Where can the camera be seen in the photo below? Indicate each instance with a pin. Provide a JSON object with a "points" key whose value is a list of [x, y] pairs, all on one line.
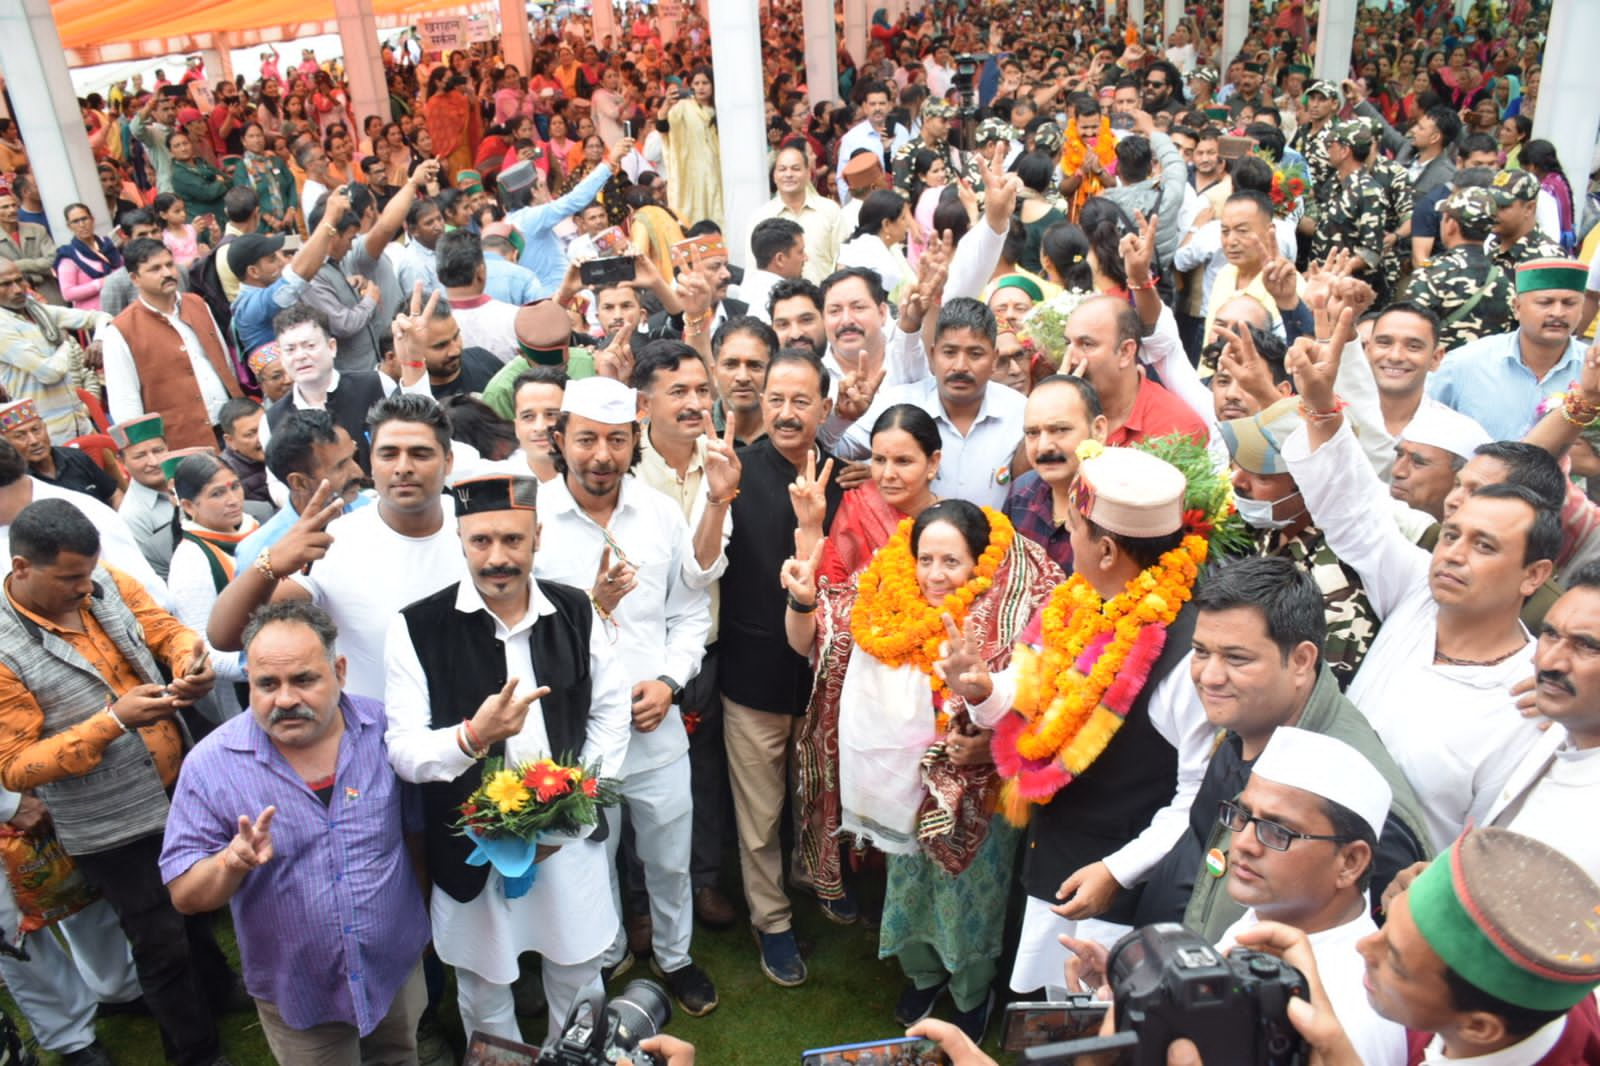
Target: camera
{"points": [[1169, 983], [599, 1033], [964, 82]]}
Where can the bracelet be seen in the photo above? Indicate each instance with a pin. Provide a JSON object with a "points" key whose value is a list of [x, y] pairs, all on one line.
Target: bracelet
{"points": [[472, 736], [263, 565], [722, 501], [698, 320], [797, 607], [1577, 411], [605, 615], [1322, 416], [112, 711], [1141, 288]]}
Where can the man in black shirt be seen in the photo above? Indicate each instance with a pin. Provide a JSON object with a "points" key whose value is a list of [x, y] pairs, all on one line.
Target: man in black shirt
{"points": [[453, 369], [765, 685], [67, 468]]}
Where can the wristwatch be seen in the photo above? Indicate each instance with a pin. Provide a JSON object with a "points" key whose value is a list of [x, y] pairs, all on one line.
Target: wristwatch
{"points": [[672, 686]]}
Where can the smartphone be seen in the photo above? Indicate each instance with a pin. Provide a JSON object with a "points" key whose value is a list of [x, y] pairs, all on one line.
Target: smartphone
{"points": [[1032, 1024], [1122, 121], [608, 270], [906, 1049], [612, 241], [627, 128], [1234, 147]]}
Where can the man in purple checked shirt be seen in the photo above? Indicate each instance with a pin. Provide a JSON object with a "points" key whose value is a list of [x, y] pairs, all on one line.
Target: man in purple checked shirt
{"points": [[292, 815]]}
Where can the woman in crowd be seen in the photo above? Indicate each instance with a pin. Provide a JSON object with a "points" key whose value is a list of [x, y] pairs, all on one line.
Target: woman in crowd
{"points": [[1514, 132], [693, 151], [1038, 174], [1539, 159], [210, 523], [907, 772], [200, 185], [271, 180], [881, 231], [84, 262]]}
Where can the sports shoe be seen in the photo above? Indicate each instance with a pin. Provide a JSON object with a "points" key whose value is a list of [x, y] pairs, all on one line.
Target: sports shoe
{"points": [[780, 958], [842, 911], [691, 987], [975, 1022], [917, 1003]]}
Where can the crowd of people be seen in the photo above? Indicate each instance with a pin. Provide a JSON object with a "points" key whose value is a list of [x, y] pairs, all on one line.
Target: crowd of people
{"points": [[1125, 483]]}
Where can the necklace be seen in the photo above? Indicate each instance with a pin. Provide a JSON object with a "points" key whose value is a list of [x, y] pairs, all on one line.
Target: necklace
{"points": [[1441, 659]]}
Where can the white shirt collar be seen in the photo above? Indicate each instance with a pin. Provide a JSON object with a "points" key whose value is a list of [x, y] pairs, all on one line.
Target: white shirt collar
{"points": [[555, 498], [1527, 1052], [305, 405], [470, 601]]}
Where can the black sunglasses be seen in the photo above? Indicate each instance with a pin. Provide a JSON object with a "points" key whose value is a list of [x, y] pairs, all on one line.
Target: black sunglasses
{"points": [[1276, 837]]}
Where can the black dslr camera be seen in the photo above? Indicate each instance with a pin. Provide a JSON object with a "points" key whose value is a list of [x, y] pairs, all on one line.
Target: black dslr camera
{"points": [[599, 1033], [965, 82], [1168, 983]]}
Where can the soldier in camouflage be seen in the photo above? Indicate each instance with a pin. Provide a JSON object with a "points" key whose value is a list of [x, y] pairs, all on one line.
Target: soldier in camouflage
{"points": [[935, 137], [1310, 138], [1048, 139], [1394, 182], [1469, 292], [991, 132], [1351, 216], [1517, 237]]}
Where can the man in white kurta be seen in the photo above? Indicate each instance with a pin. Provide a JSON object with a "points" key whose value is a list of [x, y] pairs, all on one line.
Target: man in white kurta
{"points": [[1452, 727], [563, 916]]}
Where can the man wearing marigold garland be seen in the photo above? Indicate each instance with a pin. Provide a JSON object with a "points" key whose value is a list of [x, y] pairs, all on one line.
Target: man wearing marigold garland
{"points": [[506, 665], [1098, 730]]}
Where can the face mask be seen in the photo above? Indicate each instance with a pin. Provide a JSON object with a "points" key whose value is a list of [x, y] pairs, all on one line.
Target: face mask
{"points": [[1257, 514]]}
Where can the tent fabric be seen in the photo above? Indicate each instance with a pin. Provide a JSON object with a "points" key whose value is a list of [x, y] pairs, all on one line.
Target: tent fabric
{"points": [[87, 23]]}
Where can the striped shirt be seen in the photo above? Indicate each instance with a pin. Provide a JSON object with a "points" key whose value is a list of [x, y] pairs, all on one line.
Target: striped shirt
{"points": [[330, 929]]}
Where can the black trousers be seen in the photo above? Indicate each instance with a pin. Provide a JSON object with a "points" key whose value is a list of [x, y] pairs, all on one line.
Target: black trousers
{"points": [[183, 972]]}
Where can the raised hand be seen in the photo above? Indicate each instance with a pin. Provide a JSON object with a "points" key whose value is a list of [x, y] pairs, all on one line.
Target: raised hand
{"points": [[426, 173], [723, 469], [502, 713], [856, 391], [615, 360], [961, 667], [1000, 190], [251, 846], [1278, 275], [410, 334], [612, 581], [619, 151], [799, 574], [1138, 250], [809, 494], [308, 539], [1240, 359], [1315, 364]]}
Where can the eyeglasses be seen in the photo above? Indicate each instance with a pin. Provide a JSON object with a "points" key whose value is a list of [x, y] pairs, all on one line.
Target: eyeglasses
{"points": [[80, 219], [1235, 819]]}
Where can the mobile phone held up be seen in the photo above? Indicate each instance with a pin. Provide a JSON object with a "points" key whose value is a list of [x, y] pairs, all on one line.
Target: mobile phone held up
{"points": [[899, 1051], [1033, 1024]]}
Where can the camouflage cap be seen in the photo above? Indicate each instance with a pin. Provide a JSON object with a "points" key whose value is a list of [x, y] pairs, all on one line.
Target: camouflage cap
{"points": [[1206, 74], [1471, 207], [1350, 131], [1513, 186], [995, 129], [938, 109], [1325, 88], [1047, 138]]}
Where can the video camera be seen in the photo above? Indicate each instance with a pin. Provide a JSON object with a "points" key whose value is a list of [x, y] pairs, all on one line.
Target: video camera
{"points": [[599, 1033], [1168, 983]]}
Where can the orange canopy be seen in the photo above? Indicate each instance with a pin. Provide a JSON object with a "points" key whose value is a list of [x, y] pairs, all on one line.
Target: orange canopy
{"points": [[90, 23]]}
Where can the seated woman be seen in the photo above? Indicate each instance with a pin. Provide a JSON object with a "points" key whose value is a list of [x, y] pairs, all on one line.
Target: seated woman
{"points": [[210, 523], [879, 239], [908, 773]]}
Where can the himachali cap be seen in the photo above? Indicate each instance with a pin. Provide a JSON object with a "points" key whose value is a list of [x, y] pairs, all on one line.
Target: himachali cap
{"points": [[1130, 493], [1540, 274], [1256, 442], [1513, 917], [1219, 114], [1255, 68], [137, 430], [1513, 186], [1206, 74], [1472, 206], [995, 129], [1443, 427], [542, 331], [264, 357], [1351, 131], [686, 253], [938, 109], [469, 181], [861, 171], [169, 465], [1327, 767], [1298, 68], [604, 400], [17, 414], [1324, 88], [1047, 138], [480, 495]]}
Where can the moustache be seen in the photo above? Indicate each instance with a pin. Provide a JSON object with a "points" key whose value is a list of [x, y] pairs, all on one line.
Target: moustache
{"points": [[298, 713], [693, 414], [788, 424], [1050, 457], [492, 572], [960, 377], [1558, 679]]}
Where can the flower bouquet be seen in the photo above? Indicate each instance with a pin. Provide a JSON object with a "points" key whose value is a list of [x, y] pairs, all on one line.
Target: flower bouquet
{"points": [[515, 808], [1290, 182], [1044, 329]]}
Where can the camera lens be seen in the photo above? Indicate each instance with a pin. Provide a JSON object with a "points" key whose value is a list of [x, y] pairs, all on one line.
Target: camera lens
{"points": [[642, 1011]]}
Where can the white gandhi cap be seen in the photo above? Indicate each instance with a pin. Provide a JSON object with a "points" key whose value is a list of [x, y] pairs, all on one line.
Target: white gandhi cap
{"points": [[1326, 767], [603, 400]]}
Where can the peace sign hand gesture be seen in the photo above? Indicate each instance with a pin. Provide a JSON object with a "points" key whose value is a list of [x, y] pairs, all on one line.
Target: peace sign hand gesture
{"points": [[308, 539], [410, 331], [1240, 360], [1138, 250], [1315, 364], [856, 392], [962, 668], [809, 494], [252, 845], [799, 574], [723, 469]]}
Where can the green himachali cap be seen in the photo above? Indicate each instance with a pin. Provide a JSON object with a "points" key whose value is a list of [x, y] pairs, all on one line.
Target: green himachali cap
{"points": [[1539, 274], [1513, 917], [137, 430], [169, 465]]}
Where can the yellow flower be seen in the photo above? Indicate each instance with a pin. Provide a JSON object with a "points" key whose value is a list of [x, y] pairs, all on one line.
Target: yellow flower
{"points": [[506, 792], [1090, 449]]}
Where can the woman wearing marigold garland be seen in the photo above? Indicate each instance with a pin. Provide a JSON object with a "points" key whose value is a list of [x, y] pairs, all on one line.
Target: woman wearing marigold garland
{"points": [[911, 775], [1098, 732]]}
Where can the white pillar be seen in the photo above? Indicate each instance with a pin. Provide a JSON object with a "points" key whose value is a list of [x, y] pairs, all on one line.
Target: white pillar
{"points": [[1336, 34], [1235, 28], [515, 40], [855, 30], [47, 112], [822, 52], [1462, 7], [1173, 10], [363, 62], [1136, 12], [603, 22], [741, 119], [1568, 110]]}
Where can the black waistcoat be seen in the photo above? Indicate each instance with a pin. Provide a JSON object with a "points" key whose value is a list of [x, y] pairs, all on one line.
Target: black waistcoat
{"points": [[1112, 801], [464, 662], [348, 406]]}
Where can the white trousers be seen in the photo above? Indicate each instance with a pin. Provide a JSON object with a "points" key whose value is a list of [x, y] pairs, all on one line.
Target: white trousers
{"points": [[57, 991], [488, 1008], [661, 808], [1041, 957]]}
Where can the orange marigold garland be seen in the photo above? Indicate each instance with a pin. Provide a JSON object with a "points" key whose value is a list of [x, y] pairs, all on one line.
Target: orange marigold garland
{"points": [[1073, 696], [1075, 151], [892, 622]]}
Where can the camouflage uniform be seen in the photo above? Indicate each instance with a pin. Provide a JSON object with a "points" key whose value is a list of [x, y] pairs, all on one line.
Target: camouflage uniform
{"points": [[1352, 622], [989, 131], [1470, 293], [1352, 216], [1313, 144], [1395, 184], [1519, 186], [900, 160]]}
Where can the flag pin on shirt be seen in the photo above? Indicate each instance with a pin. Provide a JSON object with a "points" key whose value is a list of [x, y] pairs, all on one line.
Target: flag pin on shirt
{"points": [[1216, 862]]}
